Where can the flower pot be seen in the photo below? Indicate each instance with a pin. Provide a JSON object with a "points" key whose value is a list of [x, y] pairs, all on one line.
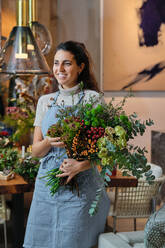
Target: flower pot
{"points": [[114, 172], [4, 176]]}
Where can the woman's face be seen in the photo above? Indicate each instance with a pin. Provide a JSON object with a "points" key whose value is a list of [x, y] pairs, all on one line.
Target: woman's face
{"points": [[65, 69]]}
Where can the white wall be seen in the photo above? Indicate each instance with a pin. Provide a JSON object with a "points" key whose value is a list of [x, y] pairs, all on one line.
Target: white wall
{"points": [[80, 20]]}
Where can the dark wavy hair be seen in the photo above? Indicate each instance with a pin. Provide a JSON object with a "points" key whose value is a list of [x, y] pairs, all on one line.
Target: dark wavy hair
{"points": [[81, 55]]}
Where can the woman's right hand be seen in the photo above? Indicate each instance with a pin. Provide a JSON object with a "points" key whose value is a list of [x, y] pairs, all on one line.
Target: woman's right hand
{"points": [[41, 146], [55, 142]]}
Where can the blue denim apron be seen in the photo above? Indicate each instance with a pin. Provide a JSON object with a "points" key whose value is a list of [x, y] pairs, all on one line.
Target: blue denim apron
{"points": [[62, 220]]}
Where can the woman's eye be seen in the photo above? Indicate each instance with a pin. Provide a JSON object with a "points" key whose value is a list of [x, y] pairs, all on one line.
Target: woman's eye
{"points": [[55, 63], [67, 63]]}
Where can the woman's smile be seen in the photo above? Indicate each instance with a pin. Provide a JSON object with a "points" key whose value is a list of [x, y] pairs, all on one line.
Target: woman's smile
{"points": [[61, 75]]}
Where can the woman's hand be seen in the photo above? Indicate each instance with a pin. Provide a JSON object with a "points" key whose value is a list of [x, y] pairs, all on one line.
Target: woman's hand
{"points": [[55, 142], [41, 146], [71, 167]]}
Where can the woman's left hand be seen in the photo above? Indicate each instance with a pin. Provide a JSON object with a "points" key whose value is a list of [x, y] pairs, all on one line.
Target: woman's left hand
{"points": [[71, 167]]}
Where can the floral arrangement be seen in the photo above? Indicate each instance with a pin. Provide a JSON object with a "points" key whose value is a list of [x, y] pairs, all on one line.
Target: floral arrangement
{"points": [[8, 156], [20, 114], [17, 124], [5, 137], [8, 159], [20, 119], [12, 161], [27, 167], [100, 133], [30, 89]]}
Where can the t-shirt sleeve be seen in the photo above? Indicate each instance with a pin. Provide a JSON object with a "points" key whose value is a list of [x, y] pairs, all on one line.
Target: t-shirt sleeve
{"points": [[39, 112]]}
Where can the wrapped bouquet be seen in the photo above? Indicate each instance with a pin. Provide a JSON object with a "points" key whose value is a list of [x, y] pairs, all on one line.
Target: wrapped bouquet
{"points": [[100, 133]]}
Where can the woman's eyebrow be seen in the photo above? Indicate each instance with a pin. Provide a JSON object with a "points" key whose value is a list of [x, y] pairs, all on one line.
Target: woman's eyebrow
{"points": [[66, 60]]}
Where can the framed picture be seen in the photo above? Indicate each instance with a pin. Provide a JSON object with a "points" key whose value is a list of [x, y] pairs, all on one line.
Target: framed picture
{"points": [[133, 45]]}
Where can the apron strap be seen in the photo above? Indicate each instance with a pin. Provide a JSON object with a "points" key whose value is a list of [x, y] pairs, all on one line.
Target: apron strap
{"points": [[81, 94], [55, 97]]}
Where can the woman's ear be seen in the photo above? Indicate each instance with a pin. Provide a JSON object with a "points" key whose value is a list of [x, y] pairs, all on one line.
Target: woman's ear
{"points": [[81, 67]]}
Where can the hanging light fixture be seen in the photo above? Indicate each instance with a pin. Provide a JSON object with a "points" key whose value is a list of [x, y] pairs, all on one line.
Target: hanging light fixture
{"points": [[40, 32], [21, 54]]}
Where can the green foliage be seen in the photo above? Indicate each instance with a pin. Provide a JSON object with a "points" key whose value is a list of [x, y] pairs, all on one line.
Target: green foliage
{"points": [[8, 158], [95, 117], [95, 204], [53, 181]]}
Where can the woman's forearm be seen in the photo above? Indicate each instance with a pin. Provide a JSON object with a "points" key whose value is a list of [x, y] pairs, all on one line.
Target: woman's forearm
{"points": [[41, 148]]}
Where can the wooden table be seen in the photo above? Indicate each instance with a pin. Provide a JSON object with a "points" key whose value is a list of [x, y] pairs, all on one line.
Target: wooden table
{"points": [[18, 186]]}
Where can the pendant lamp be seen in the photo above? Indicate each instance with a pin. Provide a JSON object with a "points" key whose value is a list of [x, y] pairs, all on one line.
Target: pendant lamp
{"points": [[40, 32], [21, 54]]}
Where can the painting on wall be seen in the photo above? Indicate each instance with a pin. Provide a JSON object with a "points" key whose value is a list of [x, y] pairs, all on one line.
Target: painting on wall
{"points": [[134, 45]]}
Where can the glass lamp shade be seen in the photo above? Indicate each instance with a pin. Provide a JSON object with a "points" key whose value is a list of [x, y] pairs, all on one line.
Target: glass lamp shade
{"points": [[21, 54], [42, 36]]}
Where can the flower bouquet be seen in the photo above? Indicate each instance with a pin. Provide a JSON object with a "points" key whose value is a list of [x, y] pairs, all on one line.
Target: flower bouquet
{"points": [[100, 133]]}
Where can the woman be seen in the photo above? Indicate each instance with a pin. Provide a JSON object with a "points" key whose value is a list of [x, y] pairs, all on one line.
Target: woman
{"points": [[62, 220]]}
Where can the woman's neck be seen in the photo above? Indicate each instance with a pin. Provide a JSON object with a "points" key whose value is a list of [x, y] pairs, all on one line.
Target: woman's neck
{"points": [[70, 91]]}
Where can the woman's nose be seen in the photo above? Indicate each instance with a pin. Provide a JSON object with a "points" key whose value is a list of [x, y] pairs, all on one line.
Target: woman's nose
{"points": [[61, 67]]}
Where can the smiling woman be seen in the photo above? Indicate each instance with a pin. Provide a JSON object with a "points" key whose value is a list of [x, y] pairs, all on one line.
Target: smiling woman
{"points": [[62, 220], [65, 69]]}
